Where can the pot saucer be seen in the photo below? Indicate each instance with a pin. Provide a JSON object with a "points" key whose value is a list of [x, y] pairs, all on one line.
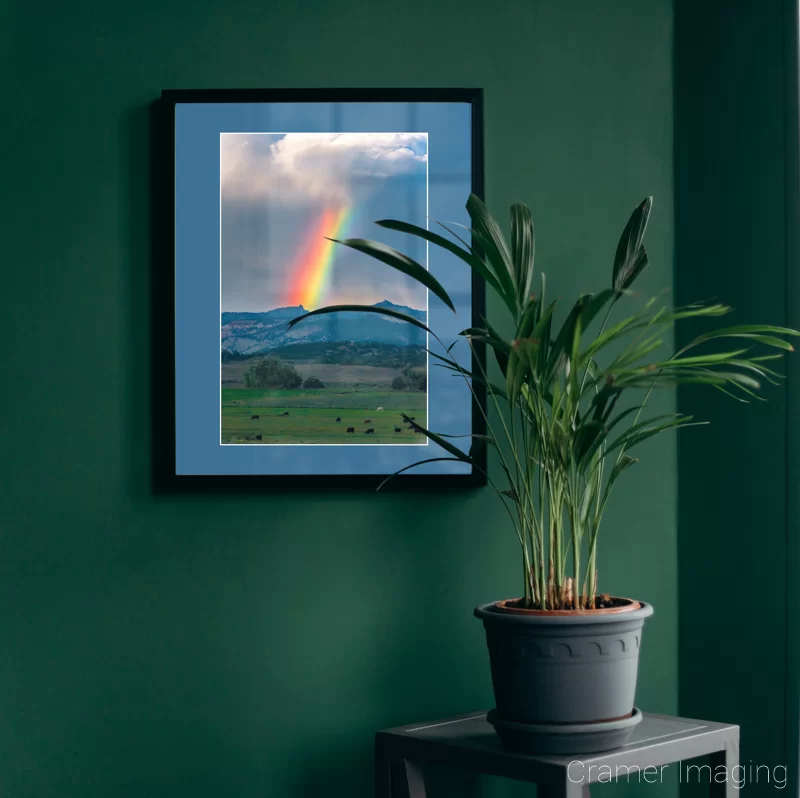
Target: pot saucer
{"points": [[563, 738]]}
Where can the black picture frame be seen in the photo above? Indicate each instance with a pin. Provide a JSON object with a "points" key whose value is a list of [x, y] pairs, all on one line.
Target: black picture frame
{"points": [[165, 478]]}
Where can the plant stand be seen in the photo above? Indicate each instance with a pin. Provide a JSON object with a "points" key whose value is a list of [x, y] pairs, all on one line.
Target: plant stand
{"points": [[470, 743]]}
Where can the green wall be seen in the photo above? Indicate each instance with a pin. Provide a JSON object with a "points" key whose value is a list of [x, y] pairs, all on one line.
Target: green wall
{"points": [[733, 223], [250, 645], [791, 27]]}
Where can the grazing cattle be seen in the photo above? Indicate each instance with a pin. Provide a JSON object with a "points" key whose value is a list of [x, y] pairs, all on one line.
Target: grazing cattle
{"points": [[380, 408], [397, 429], [367, 420], [339, 420], [284, 414], [417, 431], [258, 437], [370, 431], [351, 429], [254, 418]]}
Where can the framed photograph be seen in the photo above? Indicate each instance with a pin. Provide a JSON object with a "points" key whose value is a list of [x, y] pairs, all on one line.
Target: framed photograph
{"points": [[266, 182]]}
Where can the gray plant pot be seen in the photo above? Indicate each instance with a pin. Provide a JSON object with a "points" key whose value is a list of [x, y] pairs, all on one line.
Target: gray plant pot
{"points": [[559, 668]]}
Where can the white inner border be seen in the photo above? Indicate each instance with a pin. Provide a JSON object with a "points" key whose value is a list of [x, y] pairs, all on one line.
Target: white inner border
{"points": [[427, 310]]}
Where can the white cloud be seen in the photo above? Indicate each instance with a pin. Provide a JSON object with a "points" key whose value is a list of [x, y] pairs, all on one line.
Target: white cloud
{"points": [[303, 167]]}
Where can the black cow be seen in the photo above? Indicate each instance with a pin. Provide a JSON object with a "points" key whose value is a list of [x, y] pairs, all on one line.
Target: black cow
{"points": [[351, 429], [370, 431], [397, 429], [284, 414], [258, 437], [367, 420], [254, 418], [339, 420]]}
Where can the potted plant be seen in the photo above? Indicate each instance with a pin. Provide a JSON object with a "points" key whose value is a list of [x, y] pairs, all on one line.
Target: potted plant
{"points": [[567, 405]]}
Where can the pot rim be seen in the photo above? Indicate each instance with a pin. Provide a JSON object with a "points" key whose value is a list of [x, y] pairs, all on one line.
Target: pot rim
{"points": [[633, 604], [495, 614]]}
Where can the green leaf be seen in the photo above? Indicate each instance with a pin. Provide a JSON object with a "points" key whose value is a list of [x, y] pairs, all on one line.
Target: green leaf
{"points": [[622, 463], [543, 333], [698, 360], [614, 333], [528, 322], [446, 445], [739, 379], [523, 248], [577, 331], [472, 260], [499, 352], [580, 317], [501, 355], [699, 311], [483, 248], [521, 361], [558, 349], [594, 305], [630, 259], [638, 263], [621, 415], [761, 333], [451, 365], [493, 389], [641, 432], [767, 340], [768, 374], [476, 447], [587, 434], [391, 257], [636, 352], [475, 436], [486, 232], [414, 465], [360, 309], [601, 402], [597, 442]]}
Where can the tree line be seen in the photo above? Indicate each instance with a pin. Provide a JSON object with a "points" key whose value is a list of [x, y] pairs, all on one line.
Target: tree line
{"points": [[271, 372], [410, 380]]}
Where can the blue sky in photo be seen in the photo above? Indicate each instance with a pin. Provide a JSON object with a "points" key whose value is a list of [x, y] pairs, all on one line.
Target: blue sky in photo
{"points": [[277, 191]]}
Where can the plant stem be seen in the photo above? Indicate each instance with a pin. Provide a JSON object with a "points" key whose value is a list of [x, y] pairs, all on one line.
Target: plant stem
{"points": [[576, 558]]}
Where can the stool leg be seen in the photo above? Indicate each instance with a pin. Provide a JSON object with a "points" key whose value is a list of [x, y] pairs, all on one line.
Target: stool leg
{"points": [[729, 759], [407, 781], [383, 770], [566, 789]]}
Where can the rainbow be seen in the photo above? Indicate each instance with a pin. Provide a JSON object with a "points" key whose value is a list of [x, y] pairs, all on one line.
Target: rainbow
{"points": [[311, 270]]}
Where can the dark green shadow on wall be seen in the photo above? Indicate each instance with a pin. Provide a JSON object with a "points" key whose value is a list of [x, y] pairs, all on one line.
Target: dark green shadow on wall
{"points": [[731, 243]]}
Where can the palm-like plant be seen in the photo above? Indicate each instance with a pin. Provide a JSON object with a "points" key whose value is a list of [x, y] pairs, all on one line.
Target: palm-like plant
{"points": [[561, 433]]}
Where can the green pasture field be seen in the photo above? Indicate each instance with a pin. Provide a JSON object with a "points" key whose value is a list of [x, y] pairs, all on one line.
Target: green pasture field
{"points": [[313, 413], [233, 372]]}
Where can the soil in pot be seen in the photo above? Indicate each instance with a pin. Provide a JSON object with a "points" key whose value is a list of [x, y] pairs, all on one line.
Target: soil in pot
{"points": [[602, 602]]}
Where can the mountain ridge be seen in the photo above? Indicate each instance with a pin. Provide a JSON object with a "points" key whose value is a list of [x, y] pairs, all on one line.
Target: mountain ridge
{"points": [[244, 332]]}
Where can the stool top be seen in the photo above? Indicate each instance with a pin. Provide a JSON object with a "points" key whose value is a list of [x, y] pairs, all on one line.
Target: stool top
{"points": [[469, 741]]}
